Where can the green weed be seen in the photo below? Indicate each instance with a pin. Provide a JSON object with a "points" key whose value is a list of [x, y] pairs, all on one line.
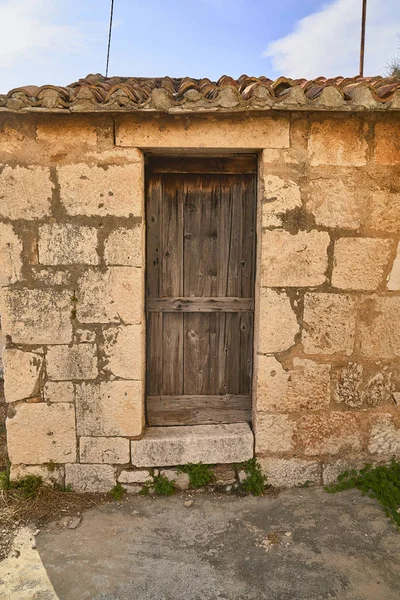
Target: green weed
{"points": [[117, 492], [199, 475], [381, 483], [163, 486], [255, 481], [28, 485]]}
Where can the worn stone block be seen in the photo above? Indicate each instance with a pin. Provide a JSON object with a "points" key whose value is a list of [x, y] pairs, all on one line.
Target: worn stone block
{"points": [[335, 202], [107, 450], [22, 374], [48, 277], [190, 132], [290, 472], [131, 477], [123, 351], [306, 386], [67, 132], [278, 323], [294, 260], [387, 141], [280, 195], [67, 244], [112, 408], [10, 255], [357, 386], [380, 327], [42, 433], [124, 247], [329, 323], [25, 192], [331, 470], [330, 433], [384, 211], [72, 362], [112, 296], [59, 391], [360, 263], [338, 142], [170, 446], [37, 316], [53, 476], [274, 433], [102, 190], [181, 480], [385, 436], [394, 277], [90, 478]]}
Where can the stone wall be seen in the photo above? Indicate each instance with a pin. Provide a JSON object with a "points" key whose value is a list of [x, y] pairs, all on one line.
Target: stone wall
{"points": [[327, 356], [328, 361]]}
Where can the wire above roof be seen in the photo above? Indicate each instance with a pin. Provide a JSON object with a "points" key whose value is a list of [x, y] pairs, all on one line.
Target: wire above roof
{"points": [[96, 93]]}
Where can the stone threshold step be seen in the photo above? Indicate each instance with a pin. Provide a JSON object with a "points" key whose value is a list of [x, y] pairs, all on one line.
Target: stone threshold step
{"points": [[208, 444]]}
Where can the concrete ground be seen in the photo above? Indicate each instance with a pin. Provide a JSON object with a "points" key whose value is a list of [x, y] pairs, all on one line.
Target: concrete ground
{"points": [[302, 545]]}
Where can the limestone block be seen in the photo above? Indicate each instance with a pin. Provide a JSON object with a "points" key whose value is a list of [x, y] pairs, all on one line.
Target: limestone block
{"points": [[170, 446], [10, 255], [394, 277], [290, 472], [50, 276], [334, 202], [329, 323], [331, 470], [338, 142], [25, 192], [90, 478], [123, 351], [294, 260], [360, 263], [181, 480], [37, 316], [385, 436], [107, 450], [274, 433], [67, 244], [96, 190], [330, 433], [59, 391], [304, 387], [380, 327], [111, 296], [278, 324], [51, 475], [124, 247], [84, 335], [66, 132], [22, 374], [387, 141], [42, 433], [112, 408], [130, 477], [280, 195], [191, 132], [72, 362], [384, 211]]}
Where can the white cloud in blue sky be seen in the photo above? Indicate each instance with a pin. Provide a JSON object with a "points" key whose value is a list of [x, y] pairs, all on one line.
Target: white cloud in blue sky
{"points": [[50, 41]]}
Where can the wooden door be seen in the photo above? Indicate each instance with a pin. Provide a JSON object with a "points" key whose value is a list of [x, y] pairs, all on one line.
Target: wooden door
{"points": [[200, 216]]}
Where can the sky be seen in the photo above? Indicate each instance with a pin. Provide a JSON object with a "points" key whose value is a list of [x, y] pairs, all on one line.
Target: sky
{"points": [[58, 41]]}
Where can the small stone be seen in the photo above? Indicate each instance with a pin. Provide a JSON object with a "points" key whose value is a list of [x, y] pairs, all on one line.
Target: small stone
{"points": [[242, 476], [224, 475], [188, 503], [74, 523]]}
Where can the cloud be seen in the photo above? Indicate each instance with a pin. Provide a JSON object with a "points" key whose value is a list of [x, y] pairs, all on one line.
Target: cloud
{"points": [[327, 42], [29, 30]]}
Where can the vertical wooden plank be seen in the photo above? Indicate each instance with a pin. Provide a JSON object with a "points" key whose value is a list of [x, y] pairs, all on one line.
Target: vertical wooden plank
{"points": [[246, 352], [171, 237], [235, 242], [232, 342], [172, 354], [153, 239], [247, 199], [153, 353]]}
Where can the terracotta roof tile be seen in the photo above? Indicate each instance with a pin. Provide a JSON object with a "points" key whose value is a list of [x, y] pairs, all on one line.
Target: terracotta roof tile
{"points": [[123, 94]]}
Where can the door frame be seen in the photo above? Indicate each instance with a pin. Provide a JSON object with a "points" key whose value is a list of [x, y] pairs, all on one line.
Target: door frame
{"points": [[165, 154]]}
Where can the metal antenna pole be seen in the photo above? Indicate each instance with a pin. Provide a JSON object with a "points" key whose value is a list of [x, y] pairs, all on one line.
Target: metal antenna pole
{"points": [[109, 36], [362, 46]]}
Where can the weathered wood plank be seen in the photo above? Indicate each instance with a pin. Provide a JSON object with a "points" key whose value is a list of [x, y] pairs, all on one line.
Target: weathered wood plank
{"points": [[206, 165], [172, 353], [201, 304], [197, 410], [171, 273], [154, 335], [153, 235]]}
